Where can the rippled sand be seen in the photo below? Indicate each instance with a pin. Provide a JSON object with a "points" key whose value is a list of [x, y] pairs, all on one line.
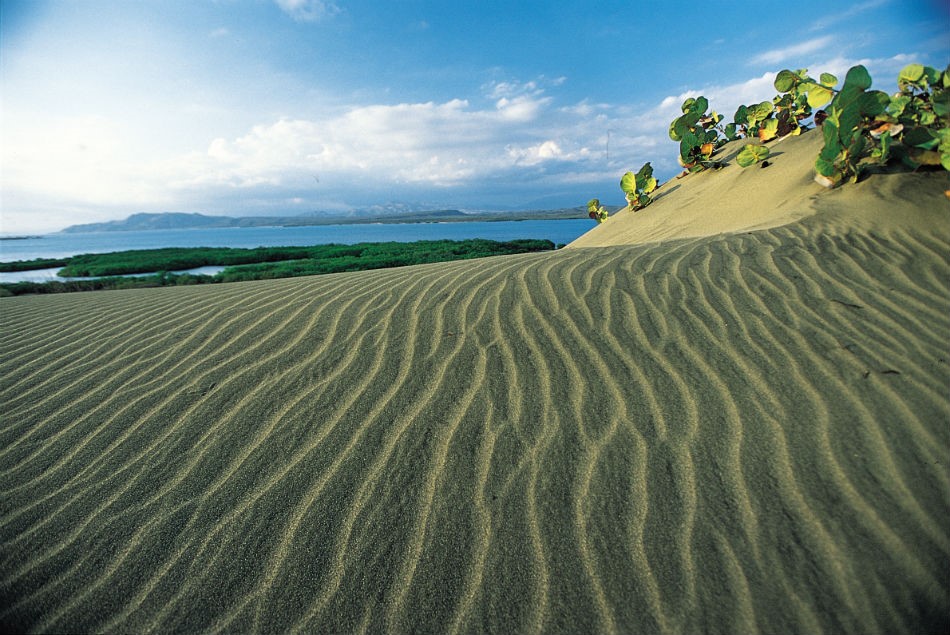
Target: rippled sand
{"points": [[738, 433]]}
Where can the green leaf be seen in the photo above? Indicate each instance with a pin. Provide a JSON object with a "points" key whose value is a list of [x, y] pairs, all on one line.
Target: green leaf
{"points": [[730, 131], [941, 102], [858, 77], [682, 125], [593, 204], [700, 105], [825, 167], [758, 112], [944, 148], [910, 74], [828, 80], [858, 143], [874, 102], [921, 137], [768, 130], [932, 75], [832, 142], [644, 200], [675, 130], [785, 80], [742, 115], [751, 153], [644, 181], [848, 120], [628, 183], [644, 172], [884, 152], [818, 96], [898, 104]]}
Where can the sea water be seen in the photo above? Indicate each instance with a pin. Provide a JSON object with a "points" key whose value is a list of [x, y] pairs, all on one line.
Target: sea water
{"points": [[64, 245]]}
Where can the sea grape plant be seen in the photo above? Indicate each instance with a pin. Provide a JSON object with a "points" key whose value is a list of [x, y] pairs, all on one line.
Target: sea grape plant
{"points": [[749, 120], [596, 211], [697, 133], [844, 129], [865, 127], [637, 187], [799, 95], [788, 110], [860, 127], [919, 115]]}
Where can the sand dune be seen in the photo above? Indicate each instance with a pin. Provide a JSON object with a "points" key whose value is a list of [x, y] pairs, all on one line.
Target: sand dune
{"points": [[737, 433]]}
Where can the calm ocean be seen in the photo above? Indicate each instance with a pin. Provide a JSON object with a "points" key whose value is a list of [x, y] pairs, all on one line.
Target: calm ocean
{"points": [[64, 245]]}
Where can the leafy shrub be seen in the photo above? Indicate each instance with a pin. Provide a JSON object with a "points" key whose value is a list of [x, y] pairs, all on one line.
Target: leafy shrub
{"points": [[749, 121], [787, 112], [596, 211], [637, 187], [698, 134], [866, 127], [919, 115]]}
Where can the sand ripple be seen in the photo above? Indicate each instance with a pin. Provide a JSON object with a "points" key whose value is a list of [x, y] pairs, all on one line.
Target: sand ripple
{"points": [[736, 434]]}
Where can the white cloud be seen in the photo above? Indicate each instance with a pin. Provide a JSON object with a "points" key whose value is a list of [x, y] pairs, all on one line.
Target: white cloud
{"points": [[439, 144], [535, 154], [308, 10], [794, 52]]}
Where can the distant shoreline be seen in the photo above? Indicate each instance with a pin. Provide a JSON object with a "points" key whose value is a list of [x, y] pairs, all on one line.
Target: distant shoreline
{"points": [[176, 220]]}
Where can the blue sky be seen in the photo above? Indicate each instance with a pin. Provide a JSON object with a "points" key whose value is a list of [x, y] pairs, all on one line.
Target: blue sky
{"points": [[267, 107]]}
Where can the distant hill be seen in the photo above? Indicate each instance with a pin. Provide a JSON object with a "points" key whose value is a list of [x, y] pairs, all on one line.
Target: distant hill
{"points": [[181, 220]]}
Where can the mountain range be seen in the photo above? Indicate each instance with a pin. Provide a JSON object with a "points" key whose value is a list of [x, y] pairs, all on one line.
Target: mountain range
{"points": [[183, 220]]}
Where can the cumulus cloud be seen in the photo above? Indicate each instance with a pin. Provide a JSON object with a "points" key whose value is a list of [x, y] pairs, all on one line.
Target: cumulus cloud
{"points": [[440, 144]]}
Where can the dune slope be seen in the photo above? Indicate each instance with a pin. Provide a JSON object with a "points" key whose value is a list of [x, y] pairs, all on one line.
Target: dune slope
{"points": [[740, 433]]}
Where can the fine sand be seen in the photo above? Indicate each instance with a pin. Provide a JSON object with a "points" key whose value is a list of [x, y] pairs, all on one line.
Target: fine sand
{"points": [[726, 413]]}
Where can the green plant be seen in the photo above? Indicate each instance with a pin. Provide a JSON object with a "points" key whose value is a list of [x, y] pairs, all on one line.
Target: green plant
{"points": [[749, 120], [845, 129], [866, 127], [752, 153], [919, 115], [596, 211], [637, 187], [799, 94], [698, 134], [788, 110]]}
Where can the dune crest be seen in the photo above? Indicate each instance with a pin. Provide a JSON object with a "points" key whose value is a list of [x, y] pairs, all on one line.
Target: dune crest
{"points": [[735, 199], [735, 431]]}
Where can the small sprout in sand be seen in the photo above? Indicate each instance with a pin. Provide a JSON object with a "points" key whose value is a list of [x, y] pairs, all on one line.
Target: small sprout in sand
{"points": [[751, 154], [596, 211], [637, 187]]}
